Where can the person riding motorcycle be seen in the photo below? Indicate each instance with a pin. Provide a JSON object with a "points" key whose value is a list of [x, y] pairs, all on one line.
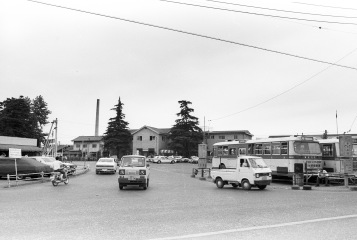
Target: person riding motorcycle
{"points": [[62, 171]]}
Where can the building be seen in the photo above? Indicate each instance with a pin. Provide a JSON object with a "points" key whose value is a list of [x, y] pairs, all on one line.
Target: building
{"points": [[28, 146], [90, 147], [222, 136], [151, 141]]}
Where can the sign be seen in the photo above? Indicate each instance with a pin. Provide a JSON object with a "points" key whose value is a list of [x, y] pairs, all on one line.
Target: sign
{"points": [[347, 165], [15, 153], [346, 146], [314, 164], [202, 150], [202, 163]]}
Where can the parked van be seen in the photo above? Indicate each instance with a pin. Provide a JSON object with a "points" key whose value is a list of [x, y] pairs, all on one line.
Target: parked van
{"points": [[242, 171], [134, 170]]}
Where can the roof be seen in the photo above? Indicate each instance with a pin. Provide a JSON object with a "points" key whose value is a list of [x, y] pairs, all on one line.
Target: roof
{"points": [[23, 148], [231, 131], [88, 139], [156, 130]]}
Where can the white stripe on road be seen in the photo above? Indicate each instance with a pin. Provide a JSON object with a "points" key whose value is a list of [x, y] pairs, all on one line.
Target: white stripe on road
{"points": [[257, 228]]}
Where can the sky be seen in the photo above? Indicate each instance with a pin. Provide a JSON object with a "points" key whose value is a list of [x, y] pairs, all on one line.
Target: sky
{"points": [[269, 67]]}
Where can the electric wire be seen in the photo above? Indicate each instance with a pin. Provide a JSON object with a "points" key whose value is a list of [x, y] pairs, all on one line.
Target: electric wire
{"points": [[259, 14], [279, 10], [288, 90], [326, 6], [197, 35]]}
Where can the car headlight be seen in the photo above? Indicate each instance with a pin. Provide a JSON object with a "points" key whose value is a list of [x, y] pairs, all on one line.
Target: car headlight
{"points": [[122, 172], [257, 175], [142, 172]]}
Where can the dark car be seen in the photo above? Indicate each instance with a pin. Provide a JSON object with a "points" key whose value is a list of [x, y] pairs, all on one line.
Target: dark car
{"points": [[26, 167]]}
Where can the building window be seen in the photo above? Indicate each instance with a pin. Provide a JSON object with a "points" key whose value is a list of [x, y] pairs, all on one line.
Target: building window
{"points": [[258, 149], [139, 138], [94, 145], [221, 137], [78, 145], [152, 138], [235, 136], [211, 137], [84, 145], [163, 138]]}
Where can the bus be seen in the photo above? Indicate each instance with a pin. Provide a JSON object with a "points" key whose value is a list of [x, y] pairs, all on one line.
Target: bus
{"points": [[333, 157], [284, 156]]}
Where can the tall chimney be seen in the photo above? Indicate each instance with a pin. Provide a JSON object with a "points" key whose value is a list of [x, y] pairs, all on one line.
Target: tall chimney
{"points": [[97, 119]]}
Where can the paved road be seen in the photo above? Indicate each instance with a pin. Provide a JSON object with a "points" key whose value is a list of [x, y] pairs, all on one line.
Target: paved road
{"points": [[174, 206]]}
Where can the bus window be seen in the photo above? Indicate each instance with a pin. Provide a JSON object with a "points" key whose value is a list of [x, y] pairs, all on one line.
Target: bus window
{"points": [[307, 147], [266, 148], [258, 149], [225, 150], [250, 149], [284, 148], [215, 152], [242, 151], [276, 148], [327, 150], [232, 151], [220, 150]]}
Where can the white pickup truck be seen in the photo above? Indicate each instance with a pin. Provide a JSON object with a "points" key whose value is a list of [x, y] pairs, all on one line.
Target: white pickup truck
{"points": [[243, 171]]}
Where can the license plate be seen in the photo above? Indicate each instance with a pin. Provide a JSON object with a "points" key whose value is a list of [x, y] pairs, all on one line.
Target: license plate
{"points": [[264, 178], [104, 170], [131, 178]]}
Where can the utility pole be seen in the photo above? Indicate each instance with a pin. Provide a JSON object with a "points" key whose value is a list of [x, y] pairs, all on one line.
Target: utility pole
{"points": [[56, 127]]}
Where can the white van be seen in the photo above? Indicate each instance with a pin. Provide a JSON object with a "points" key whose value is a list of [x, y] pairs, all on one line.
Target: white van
{"points": [[134, 170], [243, 171]]}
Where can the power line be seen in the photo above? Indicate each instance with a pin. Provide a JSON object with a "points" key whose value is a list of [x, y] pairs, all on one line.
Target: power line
{"points": [[259, 14], [279, 10], [197, 35], [326, 6], [288, 90]]}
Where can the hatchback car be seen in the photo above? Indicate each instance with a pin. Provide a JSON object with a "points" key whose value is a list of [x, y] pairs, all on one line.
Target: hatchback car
{"points": [[134, 170], [163, 159], [106, 165]]}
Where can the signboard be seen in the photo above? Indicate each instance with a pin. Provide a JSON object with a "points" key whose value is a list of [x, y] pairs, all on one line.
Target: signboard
{"points": [[202, 163], [346, 146], [314, 164], [15, 153], [347, 165], [202, 150]]}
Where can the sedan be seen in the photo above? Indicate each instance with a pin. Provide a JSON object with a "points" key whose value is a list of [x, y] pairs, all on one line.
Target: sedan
{"points": [[163, 159], [106, 165]]}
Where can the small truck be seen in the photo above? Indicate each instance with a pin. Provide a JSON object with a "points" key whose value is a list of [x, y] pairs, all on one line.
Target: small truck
{"points": [[241, 171]]}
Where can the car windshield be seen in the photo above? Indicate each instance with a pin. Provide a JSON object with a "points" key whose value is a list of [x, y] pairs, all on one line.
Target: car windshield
{"points": [[105, 160], [132, 162], [257, 163], [49, 159]]}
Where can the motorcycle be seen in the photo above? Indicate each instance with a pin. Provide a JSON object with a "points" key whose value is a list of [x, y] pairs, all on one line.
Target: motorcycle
{"points": [[56, 178]]}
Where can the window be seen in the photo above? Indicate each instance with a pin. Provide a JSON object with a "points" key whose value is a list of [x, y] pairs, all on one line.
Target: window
{"points": [[327, 150], [232, 151], [258, 149], [78, 145], [211, 137], [139, 138], [225, 150], [163, 138], [152, 138], [84, 145], [284, 148], [266, 148], [221, 137], [276, 148], [94, 145], [242, 151], [235, 136]]}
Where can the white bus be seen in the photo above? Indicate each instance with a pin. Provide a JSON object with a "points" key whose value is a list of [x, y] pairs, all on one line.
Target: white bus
{"points": [[284, 156]]}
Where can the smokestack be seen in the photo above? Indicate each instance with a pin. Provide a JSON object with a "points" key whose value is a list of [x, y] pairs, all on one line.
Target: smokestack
{"points": [[97, 119]]}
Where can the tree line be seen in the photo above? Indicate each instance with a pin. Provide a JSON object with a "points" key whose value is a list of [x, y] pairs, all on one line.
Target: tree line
{"points": [[25, 117]]}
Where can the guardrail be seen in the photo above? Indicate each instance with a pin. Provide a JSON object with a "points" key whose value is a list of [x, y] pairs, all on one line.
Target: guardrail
{"points": [[23, 177]]}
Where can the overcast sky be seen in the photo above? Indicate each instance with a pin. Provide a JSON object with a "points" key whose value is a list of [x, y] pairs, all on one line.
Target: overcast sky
{"points": [[73, 58]]}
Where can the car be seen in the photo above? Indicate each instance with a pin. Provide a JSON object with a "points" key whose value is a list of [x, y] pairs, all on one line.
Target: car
{"points": [[163, 159], [193, 159], [26, 167], [133, 170], [178, 158], [50, 161], [185, 160], [106, 165], [70, 167]]}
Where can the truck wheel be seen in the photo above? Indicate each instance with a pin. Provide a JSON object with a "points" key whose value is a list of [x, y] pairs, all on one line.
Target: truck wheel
{"points": [[234, 185], [246, 185], [262, 187], [219, 183]]}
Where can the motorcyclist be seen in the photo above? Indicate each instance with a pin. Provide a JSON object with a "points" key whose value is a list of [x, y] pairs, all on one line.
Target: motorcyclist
{"points": [[63, 172]]}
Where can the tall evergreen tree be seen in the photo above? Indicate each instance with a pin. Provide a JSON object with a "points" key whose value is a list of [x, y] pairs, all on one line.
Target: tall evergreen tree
{"points": [[185, 135], [21, 117], [117, 139]]}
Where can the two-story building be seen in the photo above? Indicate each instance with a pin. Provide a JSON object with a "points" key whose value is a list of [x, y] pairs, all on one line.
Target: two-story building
{"points": [[87, 147]]}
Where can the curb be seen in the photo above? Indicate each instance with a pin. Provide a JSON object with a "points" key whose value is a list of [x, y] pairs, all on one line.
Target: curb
{"points": [[23, 183]]}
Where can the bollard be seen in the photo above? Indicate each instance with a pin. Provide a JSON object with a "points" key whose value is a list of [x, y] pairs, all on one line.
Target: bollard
{"points": [[193, 173], [42, 174], [8, 180], [202, 177], [209, 174]]}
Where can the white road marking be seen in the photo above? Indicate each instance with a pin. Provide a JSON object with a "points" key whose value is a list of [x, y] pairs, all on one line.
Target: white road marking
{"points": [[257, 228]]}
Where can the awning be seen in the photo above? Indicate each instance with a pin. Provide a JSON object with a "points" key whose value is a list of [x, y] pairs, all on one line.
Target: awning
{"points": [[24, 148]]}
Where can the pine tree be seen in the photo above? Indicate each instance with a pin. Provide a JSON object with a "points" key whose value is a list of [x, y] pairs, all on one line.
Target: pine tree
{"points": [[185, 135], [117, 139]]}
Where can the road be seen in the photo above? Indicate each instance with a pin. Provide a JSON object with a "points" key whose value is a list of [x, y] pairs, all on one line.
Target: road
{"points": [[175, 206]]}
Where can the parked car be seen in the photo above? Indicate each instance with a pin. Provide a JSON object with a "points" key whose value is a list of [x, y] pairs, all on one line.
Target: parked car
{"points": [[194, 159], [185, 160], [106, 165], [50, 161], [163, 159], [178, 158], [26, 167], [70, 167]]}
